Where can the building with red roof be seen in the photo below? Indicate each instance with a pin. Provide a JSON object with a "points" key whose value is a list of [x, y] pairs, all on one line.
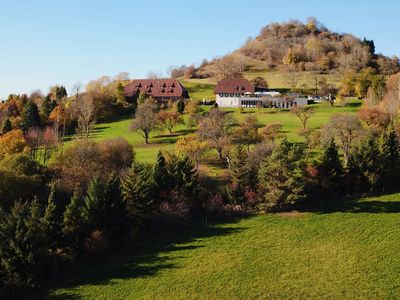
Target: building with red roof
{"points": [[159, 89]]}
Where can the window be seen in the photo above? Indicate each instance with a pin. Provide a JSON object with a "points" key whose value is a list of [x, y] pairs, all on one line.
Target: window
{"points": [[231, 95]]}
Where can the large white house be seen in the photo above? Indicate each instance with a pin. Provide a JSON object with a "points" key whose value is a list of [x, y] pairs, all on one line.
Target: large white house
{"points": [[239, 92]]}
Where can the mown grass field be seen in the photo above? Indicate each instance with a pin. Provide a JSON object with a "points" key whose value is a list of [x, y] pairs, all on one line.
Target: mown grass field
{"points": [[161, 140], [348, 254]]}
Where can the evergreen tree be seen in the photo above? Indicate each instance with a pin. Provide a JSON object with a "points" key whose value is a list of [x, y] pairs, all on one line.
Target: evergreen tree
{"points": [[7, 126], [60, 92], [103, 207], [50, 218], [330, 171], [47, 107], [240, 176], [183, 171], [180, 106], [137, 188], [30, 116], [281, 177], [390, 157], [23, 247], [365, 165], [161, 176], [73, 223]]}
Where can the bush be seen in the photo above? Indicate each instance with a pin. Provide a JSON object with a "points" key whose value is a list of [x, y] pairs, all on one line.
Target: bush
{"points": [[17, 171]]}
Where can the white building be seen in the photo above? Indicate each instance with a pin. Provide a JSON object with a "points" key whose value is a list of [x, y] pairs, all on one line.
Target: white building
{"points": [[239, 92]]}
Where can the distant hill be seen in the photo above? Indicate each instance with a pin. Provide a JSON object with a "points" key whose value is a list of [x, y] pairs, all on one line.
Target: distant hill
{"points": [[309, 48]]}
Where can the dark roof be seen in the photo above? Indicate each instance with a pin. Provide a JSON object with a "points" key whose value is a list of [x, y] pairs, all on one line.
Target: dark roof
{"points": [[158, 88], [234, 85]]}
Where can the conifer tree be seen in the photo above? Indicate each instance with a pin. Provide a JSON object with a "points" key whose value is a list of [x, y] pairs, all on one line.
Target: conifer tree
{"points": [[7, 126], [330, 171], [50, 219], [137, 188], [102, 207], [30, 116], [47, 107], [183, 171], [365, 165], [160, 174], [240, 175], [23, 246], [73, 223], [281, 177], [390, 157], [180, 106]]}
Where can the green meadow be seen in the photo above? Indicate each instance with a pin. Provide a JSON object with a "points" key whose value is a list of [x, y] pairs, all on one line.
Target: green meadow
{"points": [[351, 253], [161, 140]]}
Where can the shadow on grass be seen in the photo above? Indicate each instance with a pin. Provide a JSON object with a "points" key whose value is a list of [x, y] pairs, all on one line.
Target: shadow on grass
{"points": [[373, 206], [169, 135], [145, 259], [353, 104]]}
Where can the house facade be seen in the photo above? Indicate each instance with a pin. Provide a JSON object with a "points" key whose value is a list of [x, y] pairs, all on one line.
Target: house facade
{"points": [[229, 91], [162, 90], [239, 92]]}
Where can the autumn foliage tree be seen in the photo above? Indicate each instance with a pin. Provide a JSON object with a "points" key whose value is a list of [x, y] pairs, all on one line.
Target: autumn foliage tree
{"points": [[169, 120], [12, 142], [145, 119], [193, 147]]}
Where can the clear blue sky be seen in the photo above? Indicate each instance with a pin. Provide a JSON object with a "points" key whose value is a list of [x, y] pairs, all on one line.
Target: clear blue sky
{"points": [[46, 42]]}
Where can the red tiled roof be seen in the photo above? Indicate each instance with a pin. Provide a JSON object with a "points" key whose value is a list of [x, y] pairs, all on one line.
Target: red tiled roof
{"points": [[156, 88], [234, 85]]}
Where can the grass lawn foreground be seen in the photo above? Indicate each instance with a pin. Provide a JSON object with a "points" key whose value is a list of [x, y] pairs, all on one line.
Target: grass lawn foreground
{"points": [[353, 253]]}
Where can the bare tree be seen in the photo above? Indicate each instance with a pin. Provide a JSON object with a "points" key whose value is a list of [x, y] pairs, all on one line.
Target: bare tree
{"points": [[145, 119], [292, 77], [85, 111], [154, 75], [346, 127], [215, 130], [227, 67], [391, 101], [120, 77], [76, 88], [303, 113]]}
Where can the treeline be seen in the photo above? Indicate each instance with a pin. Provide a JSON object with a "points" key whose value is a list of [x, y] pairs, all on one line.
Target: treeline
{"points": [[93, 199], [38, 124]]}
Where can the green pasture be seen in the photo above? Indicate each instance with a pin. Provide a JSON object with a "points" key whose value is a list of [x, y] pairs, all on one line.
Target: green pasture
{"points": [[351, 253]]}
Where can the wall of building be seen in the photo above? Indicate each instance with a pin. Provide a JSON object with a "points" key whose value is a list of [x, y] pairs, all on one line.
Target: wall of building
{"points": [[227, 100]]}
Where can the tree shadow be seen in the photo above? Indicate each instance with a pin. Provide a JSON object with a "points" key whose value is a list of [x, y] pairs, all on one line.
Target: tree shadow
{"points": [[169, 135], [145, 259], [373, 206], [353, 104]]}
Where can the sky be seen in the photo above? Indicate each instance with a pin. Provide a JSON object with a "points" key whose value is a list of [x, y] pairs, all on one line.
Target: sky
{"points": [[48, 42]]}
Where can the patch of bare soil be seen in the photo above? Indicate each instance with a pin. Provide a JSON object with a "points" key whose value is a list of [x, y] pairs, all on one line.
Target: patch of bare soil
{"points": [[291, 214]]}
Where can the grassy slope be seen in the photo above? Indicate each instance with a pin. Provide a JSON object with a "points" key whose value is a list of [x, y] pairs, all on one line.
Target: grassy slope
{"points": [[162, 141], [203, 88], [348, 254], [199, 90]]}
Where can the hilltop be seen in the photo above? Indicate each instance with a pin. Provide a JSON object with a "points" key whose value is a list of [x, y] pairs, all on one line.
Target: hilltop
{"points": [[309, 49]]}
